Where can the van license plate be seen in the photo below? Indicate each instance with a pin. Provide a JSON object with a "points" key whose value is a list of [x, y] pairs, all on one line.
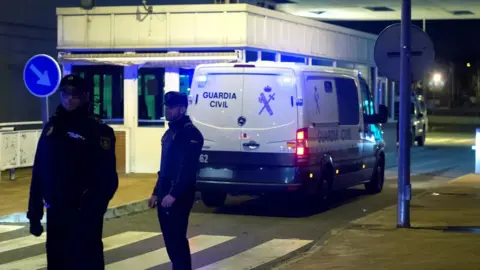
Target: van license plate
{"points": [[216, 173]]}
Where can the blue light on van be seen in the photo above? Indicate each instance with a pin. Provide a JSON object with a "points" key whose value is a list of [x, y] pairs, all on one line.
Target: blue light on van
{"points": [[286, 80], [201, 80]]}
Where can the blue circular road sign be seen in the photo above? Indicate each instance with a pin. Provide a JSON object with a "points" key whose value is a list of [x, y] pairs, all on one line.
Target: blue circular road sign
{"points": [[42, 75]]}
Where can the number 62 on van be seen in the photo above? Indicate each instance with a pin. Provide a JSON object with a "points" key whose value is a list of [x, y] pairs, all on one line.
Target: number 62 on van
{"points": [[203, 158]]}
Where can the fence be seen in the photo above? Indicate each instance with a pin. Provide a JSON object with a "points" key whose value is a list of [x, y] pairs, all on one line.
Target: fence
{"points": [[17, 147]]}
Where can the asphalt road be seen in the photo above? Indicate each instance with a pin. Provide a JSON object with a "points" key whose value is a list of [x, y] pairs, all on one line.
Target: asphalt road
{"points": [[247, 232]]}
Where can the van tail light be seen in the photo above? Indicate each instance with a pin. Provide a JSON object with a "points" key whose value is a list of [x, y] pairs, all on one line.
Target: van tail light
{"points": [[301, 147]]}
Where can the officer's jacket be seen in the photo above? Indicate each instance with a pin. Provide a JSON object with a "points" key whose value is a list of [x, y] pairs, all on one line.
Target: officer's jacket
{"points": [[74, 165], [182, 144]]}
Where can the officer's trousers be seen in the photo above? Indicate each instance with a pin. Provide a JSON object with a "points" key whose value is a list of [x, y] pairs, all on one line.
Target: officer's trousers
{"points": [[74, 240], [174, 224]]}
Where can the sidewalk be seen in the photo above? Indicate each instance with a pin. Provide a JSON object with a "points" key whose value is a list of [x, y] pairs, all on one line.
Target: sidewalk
{"points": [[132, 195], [445, 234]]}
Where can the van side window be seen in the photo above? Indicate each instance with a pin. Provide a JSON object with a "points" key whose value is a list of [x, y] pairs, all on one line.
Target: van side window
{"points": [[347, 100], [367, 100], [422, 106]]}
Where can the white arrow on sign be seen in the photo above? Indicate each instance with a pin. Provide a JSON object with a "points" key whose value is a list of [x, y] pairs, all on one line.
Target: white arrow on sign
{"points": [[43, 79]]}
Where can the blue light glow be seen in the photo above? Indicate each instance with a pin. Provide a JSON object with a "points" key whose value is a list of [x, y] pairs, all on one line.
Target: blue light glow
{"points": [[201, 80], [286, 81]]}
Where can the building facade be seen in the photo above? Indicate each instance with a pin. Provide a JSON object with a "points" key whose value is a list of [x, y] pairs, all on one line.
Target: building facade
{"points": [[134, 54]]}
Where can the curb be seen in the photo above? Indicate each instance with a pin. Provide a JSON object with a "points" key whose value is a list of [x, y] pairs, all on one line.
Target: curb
{"points": [[305, 251], [126, 209], [281, 260], [113, 212]]}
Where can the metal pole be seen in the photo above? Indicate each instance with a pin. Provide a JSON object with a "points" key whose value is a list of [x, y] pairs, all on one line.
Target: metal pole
{"points": [[404, 188], [477, 151], [392, 101], [45, 110], [478, 80], [451, 70], [425, 78]]}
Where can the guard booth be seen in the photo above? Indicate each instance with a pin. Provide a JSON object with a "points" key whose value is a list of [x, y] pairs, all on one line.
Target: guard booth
{"points": [[133, 55]]}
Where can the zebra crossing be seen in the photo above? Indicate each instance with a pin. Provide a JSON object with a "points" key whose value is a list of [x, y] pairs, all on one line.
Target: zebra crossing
{"points": [[238, 258], [450, 141]]}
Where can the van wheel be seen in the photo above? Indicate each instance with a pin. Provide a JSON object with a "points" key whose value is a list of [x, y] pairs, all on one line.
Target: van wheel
{"points": [[213, 199], [378, 177], [325, 188]]}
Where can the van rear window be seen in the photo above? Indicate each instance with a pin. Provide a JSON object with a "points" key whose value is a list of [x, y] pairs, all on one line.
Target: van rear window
{"points": [[328, 87]]}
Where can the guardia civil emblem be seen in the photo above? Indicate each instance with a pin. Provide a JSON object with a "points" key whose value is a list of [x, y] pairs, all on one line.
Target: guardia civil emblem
{"points": [[105, 143]]}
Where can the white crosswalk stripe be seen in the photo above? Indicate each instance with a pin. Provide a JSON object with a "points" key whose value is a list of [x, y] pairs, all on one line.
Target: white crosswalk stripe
{"points": [[160, 256], [9, 228], [112, 242], [258, 255], [254, 256], [450, 141], [22, 242]]}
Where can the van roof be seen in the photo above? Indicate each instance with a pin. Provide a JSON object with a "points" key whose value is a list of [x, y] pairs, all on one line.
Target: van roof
{"points": [[294, 66]]}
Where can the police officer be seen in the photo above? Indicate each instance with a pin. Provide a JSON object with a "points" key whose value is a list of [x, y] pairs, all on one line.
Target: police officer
{"points": [[74, 177], [175, 189]]}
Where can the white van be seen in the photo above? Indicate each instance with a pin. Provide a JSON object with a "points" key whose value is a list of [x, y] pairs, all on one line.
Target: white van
{"points": [[418, 119], [284, 127]]}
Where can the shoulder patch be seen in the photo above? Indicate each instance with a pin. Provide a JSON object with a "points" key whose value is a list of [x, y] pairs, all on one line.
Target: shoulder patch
{"points": [[187, 125], [105, 142]]}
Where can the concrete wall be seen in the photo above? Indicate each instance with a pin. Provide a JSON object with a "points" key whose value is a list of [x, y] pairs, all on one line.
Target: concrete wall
{"points": [[26, 28]]}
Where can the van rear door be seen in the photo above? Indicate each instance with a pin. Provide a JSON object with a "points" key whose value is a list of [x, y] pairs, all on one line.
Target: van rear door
{"points": [[216, 105], [269, 109]]}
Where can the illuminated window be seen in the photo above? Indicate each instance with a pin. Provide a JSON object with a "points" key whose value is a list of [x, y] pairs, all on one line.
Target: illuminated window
{"points": [[96, 95], [151, 83], [107, 96], [367, 99], [107, 90], [186, 76]]}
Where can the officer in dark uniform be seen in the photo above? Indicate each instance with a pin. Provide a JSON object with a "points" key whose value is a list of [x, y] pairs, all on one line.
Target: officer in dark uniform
{"points": [[175, 189], [74, 177]]}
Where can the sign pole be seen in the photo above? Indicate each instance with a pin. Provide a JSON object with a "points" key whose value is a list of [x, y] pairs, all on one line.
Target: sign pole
{"points": [[404, 187], [45, 110]]}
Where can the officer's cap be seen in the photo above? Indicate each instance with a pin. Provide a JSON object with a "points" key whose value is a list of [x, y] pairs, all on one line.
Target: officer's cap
{"points": [[73, 84], [174, 99]]}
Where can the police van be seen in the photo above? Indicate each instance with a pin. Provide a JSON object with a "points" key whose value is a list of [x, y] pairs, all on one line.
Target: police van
{"points": [[284, 127]]}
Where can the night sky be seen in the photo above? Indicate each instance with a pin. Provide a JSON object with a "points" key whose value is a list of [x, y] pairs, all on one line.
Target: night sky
{"points": [[454, 40]]}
